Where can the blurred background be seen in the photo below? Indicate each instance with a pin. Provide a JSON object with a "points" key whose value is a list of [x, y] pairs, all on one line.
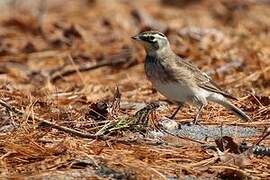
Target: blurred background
{"points": [[40, 40], [63, 59]]}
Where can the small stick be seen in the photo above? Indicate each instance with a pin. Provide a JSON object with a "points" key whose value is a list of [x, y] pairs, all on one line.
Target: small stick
{"points": [[265, 134], [56, 126], [76, 132], [125, 57], [85, 67]]}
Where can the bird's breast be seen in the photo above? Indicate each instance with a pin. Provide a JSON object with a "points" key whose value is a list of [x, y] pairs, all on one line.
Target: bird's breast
{"points": [[156, 70]]}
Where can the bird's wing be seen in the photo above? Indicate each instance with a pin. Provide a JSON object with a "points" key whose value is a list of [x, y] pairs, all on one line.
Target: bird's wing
{"points": [[202, 79]]}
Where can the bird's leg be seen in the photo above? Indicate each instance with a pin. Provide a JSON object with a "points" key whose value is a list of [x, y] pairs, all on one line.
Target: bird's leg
{"points": [[198, 114], [176, 111]]}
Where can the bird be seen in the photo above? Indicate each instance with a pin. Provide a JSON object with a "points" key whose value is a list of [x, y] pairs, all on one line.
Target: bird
{"points": [[179, 80]]}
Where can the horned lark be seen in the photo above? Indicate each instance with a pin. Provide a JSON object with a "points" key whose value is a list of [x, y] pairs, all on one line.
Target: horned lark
{"points": [[179, 80]]}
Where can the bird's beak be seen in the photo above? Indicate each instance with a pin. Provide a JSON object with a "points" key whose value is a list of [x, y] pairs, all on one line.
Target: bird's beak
{"points": [[136, 37]]}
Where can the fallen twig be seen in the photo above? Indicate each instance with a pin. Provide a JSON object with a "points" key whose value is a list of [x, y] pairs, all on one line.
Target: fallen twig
{"points": [[58, 127], [236, 169], [203, 163], [266, 133], [256, 148], [122, 58], [79, 133]]}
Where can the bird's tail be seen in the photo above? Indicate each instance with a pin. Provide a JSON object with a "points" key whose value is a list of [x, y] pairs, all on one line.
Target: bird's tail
{"points": [[227, 104]]}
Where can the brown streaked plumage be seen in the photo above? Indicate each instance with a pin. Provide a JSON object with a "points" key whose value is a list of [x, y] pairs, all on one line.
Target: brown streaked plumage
{"points": [[179, 80]]}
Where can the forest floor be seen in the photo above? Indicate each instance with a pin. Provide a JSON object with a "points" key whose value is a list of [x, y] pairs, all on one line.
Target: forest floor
{"points": [[75, 102]]}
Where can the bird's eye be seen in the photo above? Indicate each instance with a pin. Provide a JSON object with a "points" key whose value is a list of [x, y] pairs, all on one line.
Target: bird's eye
{"points": [[151, 38]]}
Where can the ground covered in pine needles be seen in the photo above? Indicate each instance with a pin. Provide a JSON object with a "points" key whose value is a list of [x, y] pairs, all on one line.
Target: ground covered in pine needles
{"points": [[75, 102]]}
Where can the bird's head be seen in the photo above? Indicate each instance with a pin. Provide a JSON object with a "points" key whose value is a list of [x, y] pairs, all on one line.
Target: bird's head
{"points": [[154, 42]]}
